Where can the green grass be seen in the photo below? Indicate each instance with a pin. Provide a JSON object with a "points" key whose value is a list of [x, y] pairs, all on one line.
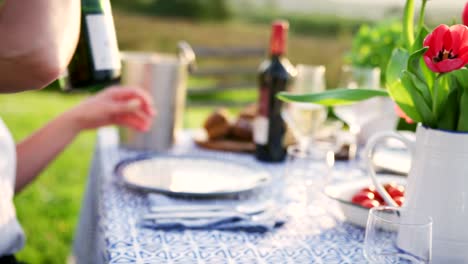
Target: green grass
{"points": [[306, 24], [48, 209]]}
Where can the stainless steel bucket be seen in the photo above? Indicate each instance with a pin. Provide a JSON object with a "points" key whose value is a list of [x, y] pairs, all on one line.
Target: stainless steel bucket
{"points": [[164, 77]]}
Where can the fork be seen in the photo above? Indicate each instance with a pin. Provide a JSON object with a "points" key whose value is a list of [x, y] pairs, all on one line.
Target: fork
{"points": [[253, 208]]}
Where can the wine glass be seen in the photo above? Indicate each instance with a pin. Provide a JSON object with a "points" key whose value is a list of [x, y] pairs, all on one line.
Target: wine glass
{"points": [[304, 119], [398, 235], [309, 78], [357, 114]]}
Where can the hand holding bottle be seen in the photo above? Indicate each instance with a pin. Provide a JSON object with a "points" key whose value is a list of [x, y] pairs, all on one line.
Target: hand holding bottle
{"points": [[124, 106]]}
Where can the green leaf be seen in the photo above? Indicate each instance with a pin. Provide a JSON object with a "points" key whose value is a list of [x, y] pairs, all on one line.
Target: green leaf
{"points": [[341, 96], [428, 75], [398, 63], [413, 62], [416, 68], [421, 86], [403, 98], [418, 43], [400, 93], [418, 100], [441, 91], [448, 119], [463, 116], [461, 76], [408, 24]]}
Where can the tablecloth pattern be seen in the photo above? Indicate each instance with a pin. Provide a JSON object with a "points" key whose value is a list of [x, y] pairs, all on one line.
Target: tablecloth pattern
{"points": [[107, 231]]}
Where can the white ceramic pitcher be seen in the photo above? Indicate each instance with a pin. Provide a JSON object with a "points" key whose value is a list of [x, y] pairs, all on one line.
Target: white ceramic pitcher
{"points": [[437, 187]]}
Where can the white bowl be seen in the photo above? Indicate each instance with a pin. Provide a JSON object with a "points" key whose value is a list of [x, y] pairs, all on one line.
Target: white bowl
{"points": [[343, 193]]}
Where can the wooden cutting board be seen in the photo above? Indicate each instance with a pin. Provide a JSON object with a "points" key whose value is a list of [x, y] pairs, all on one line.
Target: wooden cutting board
{"points": [[229, 145]]}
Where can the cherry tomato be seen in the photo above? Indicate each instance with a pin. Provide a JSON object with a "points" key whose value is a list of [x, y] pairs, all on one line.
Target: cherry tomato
{"points": [[399, 200], [370, 203], [378, 197], [375, 192], [393, 185], [369, 189], [361, 196], [395, 191]]}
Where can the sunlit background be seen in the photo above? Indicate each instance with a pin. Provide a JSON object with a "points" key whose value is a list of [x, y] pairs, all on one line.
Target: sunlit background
{"points": [[322, 32]]}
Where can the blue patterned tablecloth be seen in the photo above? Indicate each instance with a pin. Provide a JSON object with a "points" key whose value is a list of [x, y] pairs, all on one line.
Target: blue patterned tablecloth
{"points": [[107, 230]]}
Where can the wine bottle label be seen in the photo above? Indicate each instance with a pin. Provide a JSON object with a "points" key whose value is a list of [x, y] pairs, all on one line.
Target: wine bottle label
{"points": [[103, 42], [260, 130], [261, 122]]}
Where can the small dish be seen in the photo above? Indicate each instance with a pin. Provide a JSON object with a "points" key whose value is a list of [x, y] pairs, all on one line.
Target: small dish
{"points": [[343, 192], [190, 175]]}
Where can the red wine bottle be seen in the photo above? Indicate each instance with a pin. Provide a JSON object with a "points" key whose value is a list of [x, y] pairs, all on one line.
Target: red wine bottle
{"points": [[96, 62], [275, 75]]}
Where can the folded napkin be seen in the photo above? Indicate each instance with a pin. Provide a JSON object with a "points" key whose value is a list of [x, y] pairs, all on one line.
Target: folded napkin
{"points": [[262, 222]]}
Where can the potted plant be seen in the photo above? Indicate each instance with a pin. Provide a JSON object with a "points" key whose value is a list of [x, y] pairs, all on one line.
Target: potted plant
{"points": [[427, 79]]}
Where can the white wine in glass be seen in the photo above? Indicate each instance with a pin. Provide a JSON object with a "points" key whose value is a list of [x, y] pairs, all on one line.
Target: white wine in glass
{"points": [[308, 119]]}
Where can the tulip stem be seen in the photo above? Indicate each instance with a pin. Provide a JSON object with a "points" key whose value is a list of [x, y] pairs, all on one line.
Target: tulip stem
{"points": [[408, 24], [421, 15], [436, 95]]}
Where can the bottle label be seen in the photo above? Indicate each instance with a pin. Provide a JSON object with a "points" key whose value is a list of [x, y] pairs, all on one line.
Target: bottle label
{"points": [[261, 122], [260, 130], [103, 41]]}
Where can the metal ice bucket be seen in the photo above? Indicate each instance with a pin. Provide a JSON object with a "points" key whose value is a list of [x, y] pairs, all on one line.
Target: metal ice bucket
{"points": [[164, 77]]}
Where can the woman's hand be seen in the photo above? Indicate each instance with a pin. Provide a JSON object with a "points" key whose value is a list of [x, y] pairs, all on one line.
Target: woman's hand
{"points": [[118, 105], [114, 106]]}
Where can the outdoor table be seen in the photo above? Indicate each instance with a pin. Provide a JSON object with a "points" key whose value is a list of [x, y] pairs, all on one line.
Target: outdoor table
{"points": [[107, 231]]}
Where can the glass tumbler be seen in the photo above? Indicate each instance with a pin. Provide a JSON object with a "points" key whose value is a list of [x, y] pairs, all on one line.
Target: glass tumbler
{"points": [[398, 235]]}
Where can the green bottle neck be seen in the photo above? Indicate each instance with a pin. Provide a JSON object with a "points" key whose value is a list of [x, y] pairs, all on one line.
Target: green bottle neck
{"points": [[93, 6]]}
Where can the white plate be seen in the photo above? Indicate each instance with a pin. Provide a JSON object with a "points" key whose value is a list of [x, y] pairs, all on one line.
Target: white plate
{"points": [[192, 176], [344, 191]]}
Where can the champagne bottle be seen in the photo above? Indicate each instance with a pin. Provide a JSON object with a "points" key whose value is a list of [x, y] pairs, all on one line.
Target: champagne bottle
{"points": [[276, 74], [96, 62]]}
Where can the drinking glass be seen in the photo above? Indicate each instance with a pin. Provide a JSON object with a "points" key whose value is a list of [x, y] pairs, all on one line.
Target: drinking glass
{"points": [[398, 235], [309, 79], [304, 119], [357, 114], [306, 172]]}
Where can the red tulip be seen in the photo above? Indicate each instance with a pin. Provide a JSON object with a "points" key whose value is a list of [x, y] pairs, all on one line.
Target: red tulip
{"points": [[465, 15], [402, 114], [448, 48]]}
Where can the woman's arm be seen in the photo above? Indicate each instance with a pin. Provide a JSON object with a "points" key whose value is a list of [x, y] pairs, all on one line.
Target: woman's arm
{"points": [[38, 39], [121, 106]]}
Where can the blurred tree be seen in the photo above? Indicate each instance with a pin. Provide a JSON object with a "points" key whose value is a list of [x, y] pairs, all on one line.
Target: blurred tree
{"points": [[191, 9], [218, 10], [177, 8], [373, 44]]}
